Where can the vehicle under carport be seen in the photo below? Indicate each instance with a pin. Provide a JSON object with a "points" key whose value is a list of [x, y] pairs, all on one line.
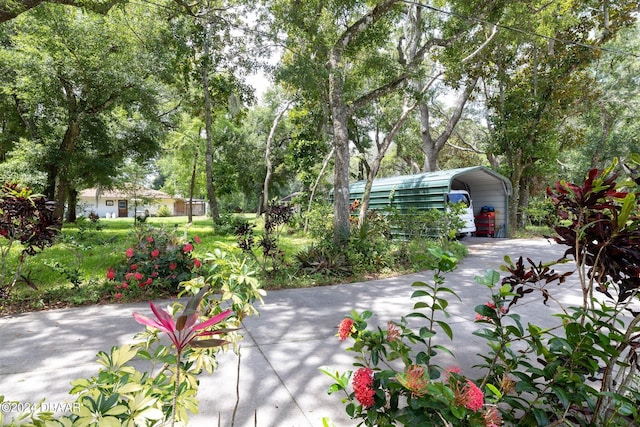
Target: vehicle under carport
{"points": [[487, 188]]}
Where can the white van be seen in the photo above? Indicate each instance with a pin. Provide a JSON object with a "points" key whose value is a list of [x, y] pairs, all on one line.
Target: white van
{"points": [[462, 196]]}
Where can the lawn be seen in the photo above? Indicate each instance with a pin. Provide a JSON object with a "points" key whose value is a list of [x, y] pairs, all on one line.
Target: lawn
{"points": [[73, 271]]}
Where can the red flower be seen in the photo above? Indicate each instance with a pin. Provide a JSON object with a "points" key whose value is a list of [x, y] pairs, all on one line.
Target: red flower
{"points": [[150, 239], [138, 276], [129, 252], [173, 266], [450, 369], [345, 329], [155, 253], [197, 263], [111, 273], [363, 387], [125, 285], [118, 295], [133, 267], [471, 397], [197, 239], [187, 248], [128, 276], [149, 281]]}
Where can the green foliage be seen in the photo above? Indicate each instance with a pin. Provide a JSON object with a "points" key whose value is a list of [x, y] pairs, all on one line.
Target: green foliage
{"points": [[26, 220], [405, 384], [580, 371], [540, 211], [275, 218], [369, 245], [436, 224], [163, 212], [323, 261], [318, 221], [159, 261], [165, 390]]}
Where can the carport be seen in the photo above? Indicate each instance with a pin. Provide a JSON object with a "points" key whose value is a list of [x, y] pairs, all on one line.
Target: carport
{"points": [[429, 191]]}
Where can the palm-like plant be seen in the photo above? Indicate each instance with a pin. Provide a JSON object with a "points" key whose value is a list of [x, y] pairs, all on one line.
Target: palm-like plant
{"points": [[185, 330]]}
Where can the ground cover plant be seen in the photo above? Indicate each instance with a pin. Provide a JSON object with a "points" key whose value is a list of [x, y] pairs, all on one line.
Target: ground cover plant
{"points": [[582, 372], [75, 269]]}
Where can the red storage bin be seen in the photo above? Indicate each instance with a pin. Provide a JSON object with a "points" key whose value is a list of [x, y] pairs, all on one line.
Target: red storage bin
{"points": [[486, 224]]}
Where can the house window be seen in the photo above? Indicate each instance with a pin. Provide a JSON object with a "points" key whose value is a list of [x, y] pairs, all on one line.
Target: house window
{"points": [[109, 202]]}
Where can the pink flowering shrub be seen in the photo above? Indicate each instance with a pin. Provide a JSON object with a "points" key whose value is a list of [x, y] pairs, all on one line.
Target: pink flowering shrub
{"points": [[397, 381], [156, 264], [581, 370]]}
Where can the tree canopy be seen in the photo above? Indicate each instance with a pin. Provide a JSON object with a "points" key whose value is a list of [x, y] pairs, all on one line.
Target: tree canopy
{"points": [[359, 89]]}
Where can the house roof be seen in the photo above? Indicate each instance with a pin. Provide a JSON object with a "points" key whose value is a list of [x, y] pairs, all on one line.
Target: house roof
{"points": [[119, 194]]}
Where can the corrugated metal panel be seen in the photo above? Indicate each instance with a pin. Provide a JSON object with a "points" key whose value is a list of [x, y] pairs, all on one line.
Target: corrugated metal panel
{"points": [[421, 191], [428, 190]]}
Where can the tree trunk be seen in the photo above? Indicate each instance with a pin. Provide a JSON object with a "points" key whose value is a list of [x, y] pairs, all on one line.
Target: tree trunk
{"points": [[523, 201], [516, 176], [432, 147], [192, 186], [62, 182], [211, 191], [325, 163], [375, 166], [341, 228], [72, 204], [267, 157]]}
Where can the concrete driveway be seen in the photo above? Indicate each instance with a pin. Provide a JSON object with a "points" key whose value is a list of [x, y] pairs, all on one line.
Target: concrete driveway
{"points": [[280, 384]]}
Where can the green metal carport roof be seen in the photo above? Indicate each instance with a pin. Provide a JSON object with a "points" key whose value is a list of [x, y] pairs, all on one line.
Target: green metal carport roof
{"points": [[428, 190]]}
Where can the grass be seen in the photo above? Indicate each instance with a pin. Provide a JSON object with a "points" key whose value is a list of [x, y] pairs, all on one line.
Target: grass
{"points": [[73, 270]]}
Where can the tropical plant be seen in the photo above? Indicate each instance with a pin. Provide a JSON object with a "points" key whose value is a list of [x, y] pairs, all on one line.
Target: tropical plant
{"points": [[184, 331], [123, 395], [398, 379], [27, 220], [581, 372]]}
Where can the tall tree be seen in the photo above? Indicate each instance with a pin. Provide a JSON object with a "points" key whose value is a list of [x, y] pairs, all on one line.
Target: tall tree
{"points": [[354, 51], [181, 162], [68, 88], [211, 54], [610, 123], [540, 79], [330, 40]]}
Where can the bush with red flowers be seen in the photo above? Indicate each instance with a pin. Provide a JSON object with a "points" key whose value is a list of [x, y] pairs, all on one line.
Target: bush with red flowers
{"points": [[157, 263], [580, 369]]}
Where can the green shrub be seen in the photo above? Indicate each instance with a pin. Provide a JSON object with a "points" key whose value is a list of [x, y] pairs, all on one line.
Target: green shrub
{"points": [[581, 370], [163, 211], [541, 211], [159, 261], [319, 222]]}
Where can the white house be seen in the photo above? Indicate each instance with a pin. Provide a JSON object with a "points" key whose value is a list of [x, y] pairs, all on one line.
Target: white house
{"points": [[120, 204]]}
